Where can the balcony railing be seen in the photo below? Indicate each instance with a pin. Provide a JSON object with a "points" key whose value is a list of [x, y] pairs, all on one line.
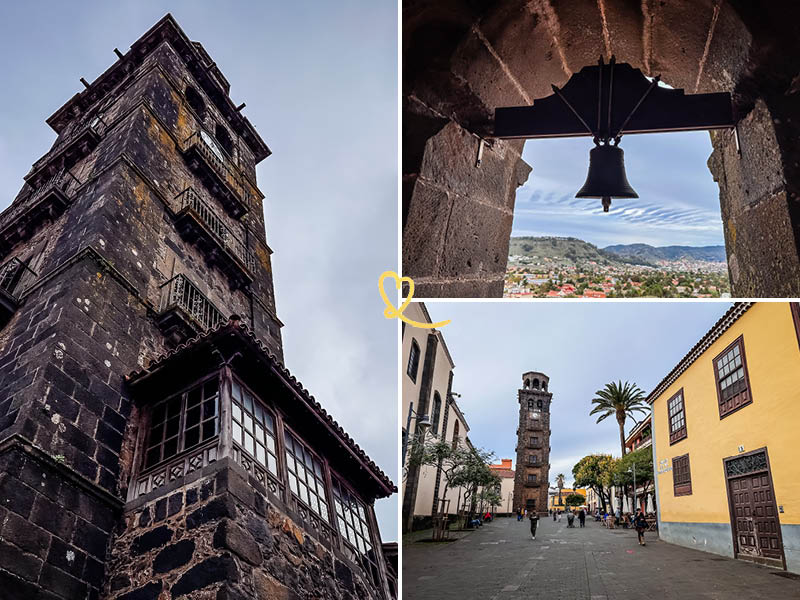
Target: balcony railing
{"points": [[533, 484], [185, 310], [193, 212], [15, 278], [47, 202], [71, 148], [221, 174]]}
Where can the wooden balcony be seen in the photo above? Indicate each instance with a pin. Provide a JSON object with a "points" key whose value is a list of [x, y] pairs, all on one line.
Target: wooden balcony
{"points": [[23, 218], [199, 223], [15, 278], [218, 172], [185, 310]]}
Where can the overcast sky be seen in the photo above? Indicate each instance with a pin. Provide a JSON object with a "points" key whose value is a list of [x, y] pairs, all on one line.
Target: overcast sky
{"points": [[678, 200], [581, 346], [320, 83]]}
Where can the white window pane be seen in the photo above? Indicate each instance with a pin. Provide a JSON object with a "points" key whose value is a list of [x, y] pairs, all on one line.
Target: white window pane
{"points": [[237, 412], [272, 464]]}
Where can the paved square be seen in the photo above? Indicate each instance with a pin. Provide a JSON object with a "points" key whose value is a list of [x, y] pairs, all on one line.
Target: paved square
{"points": [[500, 561]]}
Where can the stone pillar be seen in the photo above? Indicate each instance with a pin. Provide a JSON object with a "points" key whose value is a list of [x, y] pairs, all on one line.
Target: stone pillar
{"points": [[458, 214], [759, 183]]}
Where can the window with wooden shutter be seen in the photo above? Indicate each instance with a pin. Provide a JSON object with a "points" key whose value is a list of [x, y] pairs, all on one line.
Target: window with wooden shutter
{"points": [[681, 476], [676, 409], [413, 361], [733, 384]]}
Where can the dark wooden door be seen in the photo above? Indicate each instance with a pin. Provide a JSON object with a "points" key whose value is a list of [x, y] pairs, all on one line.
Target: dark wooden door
{"points": [[755, 519], [741, 500], [765, 516]]}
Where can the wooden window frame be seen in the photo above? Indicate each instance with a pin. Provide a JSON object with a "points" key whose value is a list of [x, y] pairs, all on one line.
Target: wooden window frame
{"points": [[413, 376], [181, 435], [532, 478], [681, 433], [795, 308], [324, 478], [682, 488], [739, 341], [279, 444]]}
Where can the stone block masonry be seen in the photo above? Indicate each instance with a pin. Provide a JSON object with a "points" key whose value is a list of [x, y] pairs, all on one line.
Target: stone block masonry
{"points": [[219, 537]]}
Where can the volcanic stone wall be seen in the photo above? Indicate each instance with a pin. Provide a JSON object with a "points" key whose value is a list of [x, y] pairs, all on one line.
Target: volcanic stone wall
{"points": [[220, 538]]}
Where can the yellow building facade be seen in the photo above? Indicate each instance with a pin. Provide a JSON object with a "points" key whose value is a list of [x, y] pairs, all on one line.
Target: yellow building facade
{"points": [[554, 504], [725, 423]]}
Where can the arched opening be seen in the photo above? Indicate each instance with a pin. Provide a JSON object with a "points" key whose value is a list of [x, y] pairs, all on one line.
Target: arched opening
{"points": [[437, 412], [544, 385], [527, 384], [224, 139], [536, 384], [195, 101], [462, 62]]}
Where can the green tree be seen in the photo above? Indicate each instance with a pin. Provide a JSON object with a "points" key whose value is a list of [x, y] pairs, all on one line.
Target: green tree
{"points": [[593, 472], [574, 500], [474, 473], [621, 401], [643, 461]]}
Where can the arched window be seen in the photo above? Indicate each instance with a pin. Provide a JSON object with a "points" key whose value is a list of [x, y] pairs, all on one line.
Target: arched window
{"points": [[195, 100], [224, 139], [437, 411], [455, 435], [413, 361], [527, 383], [544, 385], [536, 384]]}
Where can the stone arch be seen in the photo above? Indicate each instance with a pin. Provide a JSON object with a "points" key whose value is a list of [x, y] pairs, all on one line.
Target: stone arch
{"points": [[536, 383], [462, 60]]}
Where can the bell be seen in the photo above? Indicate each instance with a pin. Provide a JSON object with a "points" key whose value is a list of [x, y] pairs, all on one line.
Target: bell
{"points": [[606, 178]]}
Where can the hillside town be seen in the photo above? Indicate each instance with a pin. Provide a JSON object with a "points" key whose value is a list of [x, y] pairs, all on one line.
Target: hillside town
{"points": [[545, 277]]}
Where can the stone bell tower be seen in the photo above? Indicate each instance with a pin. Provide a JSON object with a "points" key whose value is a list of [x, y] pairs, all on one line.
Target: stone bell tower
{"points": [[152, 442], [533, 443]]}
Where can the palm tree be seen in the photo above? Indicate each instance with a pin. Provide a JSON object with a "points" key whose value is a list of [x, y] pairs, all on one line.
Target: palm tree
{"points": [[560, 485], [621, 401]]}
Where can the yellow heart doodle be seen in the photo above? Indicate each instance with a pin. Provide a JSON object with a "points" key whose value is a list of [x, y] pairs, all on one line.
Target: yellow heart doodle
{"points": [[397, 313]]}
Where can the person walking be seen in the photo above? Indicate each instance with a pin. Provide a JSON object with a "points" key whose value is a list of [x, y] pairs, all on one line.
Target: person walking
{"points": [[534, 519], [554, 515], [559, 516], [582, 517], [640, 523]]}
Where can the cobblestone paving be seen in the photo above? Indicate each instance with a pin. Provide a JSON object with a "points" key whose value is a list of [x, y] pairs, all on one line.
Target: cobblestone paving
{"points": [[500, 561]]}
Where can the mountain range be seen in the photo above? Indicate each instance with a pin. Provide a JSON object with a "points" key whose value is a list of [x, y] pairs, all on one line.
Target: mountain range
{"points": [[573, 250]]}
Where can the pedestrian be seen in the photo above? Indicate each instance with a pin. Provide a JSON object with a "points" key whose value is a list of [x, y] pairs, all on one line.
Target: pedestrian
{"points": [[519, 514], [570, 519], [559, 516], [534, 519], [640, 523], [582, 517], [554, 515]]}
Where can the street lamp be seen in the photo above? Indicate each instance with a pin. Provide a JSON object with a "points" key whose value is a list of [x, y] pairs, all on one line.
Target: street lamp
{"points": [[423, 423]]}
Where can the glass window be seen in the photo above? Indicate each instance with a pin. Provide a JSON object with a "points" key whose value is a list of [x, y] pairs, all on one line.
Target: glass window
{"points": [[254, 428], [413, 361], [437, 411], [677, 417], [732, 385], [182, 422], [306, 476], [351, 520]]}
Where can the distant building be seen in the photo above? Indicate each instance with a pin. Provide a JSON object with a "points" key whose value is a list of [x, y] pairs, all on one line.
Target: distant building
{"points": [[641, 437], [505, 471], [725, 426], [556, 503]]}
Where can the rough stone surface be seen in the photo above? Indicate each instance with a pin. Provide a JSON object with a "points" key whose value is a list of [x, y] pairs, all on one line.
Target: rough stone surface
{"points": [[234, 538]]}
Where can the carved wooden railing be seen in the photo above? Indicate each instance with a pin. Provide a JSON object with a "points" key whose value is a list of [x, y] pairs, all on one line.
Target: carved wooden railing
{"points": [[218, 160], [180, 466]]}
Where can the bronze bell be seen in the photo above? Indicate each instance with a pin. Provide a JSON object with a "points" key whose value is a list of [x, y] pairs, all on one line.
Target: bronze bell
{"points": [[606, 178]]}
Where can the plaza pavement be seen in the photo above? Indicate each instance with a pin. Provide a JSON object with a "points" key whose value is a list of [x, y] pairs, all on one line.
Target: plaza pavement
{"points": [[500, 561]]}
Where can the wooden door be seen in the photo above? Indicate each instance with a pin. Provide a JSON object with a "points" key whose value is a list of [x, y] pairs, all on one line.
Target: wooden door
{"points": [[765, 516], [744, 527], [754, 517]]}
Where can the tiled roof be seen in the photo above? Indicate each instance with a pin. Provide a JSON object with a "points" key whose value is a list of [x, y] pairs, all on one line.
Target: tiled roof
{"points": [[242, 329]]}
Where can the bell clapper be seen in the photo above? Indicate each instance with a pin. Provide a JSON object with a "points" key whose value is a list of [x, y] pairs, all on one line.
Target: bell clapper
{"points": [[606, 203]]}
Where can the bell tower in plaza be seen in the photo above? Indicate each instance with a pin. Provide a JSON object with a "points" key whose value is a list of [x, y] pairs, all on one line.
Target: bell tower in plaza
{"points": [[533, 443]]}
